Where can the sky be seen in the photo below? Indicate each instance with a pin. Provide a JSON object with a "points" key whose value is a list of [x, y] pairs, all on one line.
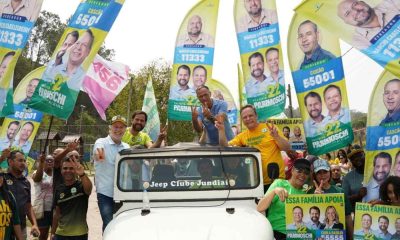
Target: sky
{"points": [[146, 30]]}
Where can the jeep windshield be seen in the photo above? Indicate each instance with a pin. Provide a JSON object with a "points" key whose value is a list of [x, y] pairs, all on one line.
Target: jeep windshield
{"points": [[183, 173]]}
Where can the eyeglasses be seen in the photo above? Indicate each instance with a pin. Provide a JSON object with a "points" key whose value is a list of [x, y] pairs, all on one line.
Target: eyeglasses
{"points": [[302, 170]]}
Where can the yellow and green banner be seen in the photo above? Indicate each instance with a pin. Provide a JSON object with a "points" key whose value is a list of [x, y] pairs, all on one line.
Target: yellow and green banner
{"points": [[150, 107], [315, 216], [376, 222], [317, 70], [371, 26], [293, 131], [193, 60], [383, 134], [257, 32], [16, 23], [63, 77]]}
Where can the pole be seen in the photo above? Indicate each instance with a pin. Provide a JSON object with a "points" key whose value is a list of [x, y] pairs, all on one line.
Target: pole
{"points": [[48, 134], [80, 122], [129, 99], [289, 95]]}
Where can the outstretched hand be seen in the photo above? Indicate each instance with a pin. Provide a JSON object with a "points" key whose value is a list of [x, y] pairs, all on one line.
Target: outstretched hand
{"points": [[272, 129]]}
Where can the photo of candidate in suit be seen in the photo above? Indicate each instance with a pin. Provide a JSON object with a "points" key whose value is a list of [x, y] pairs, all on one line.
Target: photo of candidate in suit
{"points": [[3, 69], [72, 71], [199, 77], [182, 91], [256, 16], [368, 21], [24, 8], [22, 140], [276, 74], [316, 123], [308, 37], [333, 102], [7, 140], [195, 35], [30, 89], [257, 84], [391, 99], [382, 165]]}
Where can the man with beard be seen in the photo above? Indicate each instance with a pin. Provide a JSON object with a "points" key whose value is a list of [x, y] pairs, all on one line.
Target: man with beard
{"points": [[105, 151], [71, 72], [256, 18], [182, 91], [195, 36], [391, 99], [134, 136], [257, 84], [276, 75], [314, 224], [383, 232], [382, 165], [368, 21], [199, 76], [204, 117], [30, 89], [22, 142], [333, 101], [316, 123], [308, 39], [352, 182], [12, 131]]}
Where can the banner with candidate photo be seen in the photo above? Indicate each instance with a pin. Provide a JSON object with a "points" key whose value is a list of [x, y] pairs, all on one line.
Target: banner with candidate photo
{"points": [[257, 32], [63, 77], [315, 216], [16, 23], [379, 222], [372, 26], [317, 70], [292, 129], [193, 59], [383, 134]]}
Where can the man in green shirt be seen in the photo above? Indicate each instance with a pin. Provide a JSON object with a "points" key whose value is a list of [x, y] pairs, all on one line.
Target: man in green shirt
{"points": [[134, 135]]}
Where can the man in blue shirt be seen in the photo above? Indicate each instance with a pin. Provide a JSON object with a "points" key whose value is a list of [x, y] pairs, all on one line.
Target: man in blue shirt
{"points": [[391, 99], [308, 37], [333, 101], [203, 118]]}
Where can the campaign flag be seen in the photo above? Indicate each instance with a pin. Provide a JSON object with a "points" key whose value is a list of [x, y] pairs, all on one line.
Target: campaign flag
{"points": [[150, 107], [383, 134], [257, 33], [317, 70], [20, 128], [372, 26], [194, 57], [62, 80], [15, 28], [369, 219], [220, 91], [103, 82], [293, 131], [301, 226]]}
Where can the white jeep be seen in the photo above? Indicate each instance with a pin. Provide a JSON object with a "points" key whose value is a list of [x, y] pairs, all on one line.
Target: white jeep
{"points": [[188, 192]]}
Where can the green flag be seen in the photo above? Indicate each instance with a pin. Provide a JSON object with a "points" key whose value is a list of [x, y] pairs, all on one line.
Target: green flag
{"points": [[150, 107]]}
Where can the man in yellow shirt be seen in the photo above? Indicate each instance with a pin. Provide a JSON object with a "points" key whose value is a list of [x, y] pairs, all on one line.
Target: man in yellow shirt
{"points": [[263, 136], [134, 135]]}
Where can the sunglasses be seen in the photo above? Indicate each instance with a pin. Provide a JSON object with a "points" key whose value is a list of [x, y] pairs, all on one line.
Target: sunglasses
{"points": [[302, 170]]}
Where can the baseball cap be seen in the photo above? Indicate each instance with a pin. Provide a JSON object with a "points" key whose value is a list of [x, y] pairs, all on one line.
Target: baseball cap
{"points": [[302, 163], [118, 118], [321, 164]]}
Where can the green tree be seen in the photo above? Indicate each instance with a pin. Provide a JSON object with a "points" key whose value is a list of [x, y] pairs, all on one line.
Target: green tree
{"points": [[358, 119]]}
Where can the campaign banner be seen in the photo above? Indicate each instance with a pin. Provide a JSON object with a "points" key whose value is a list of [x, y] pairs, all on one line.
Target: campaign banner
{"points": [[193, 59], [317, 70], [62, 80], [292, 129], [150, 107], [383, 134], [372, 26], [103, 82], [257, 32], [19, 129], [315, 216], [379, 222], [221, 92], [16, 23]]}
